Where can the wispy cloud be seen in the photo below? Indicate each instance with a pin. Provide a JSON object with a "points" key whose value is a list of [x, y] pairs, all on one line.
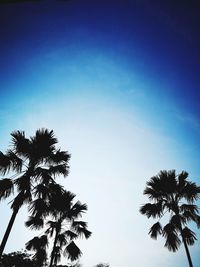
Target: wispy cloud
{"points": [[190, 120]]}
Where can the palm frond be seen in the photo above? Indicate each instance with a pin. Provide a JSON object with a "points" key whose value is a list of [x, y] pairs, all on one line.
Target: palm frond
{"points": [[21, 145], [42, 144], [41, 191], [152, 193], [190, 212], [168, 183], [168, 229], [83, 232], [33, 244], [182, 180], [152, 210], [23, 183], [6, 188], [5, 163], [56, 189], [197, 220], [79, 224], [170, 206], [189, 236], [58, 157], [72, 251], [68, 196], [16, 161], [35, 222], [61, 201], [155, 230], [42, 175], [154, 183], [183, 176], [37, 243], [61, 169], [190, 192], [45, 137], [172, 240], [77, 209], [70, 234], [189, 216], [57, 200], [162, 185], [189, 207], [39, 207]]}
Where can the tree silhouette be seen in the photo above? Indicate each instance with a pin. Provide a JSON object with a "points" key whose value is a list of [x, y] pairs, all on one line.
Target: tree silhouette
{"points": [[64, 225], [17, 259], [176, 195], [35, 162], [102, 265], [39, 245]]}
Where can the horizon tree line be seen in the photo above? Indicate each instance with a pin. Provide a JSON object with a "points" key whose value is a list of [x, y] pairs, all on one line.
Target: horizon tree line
{"points": [[24, 259]]}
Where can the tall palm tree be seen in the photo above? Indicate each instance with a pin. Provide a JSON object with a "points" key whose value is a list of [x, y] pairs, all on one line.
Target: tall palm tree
{"points": [[64, 226], [35, 161], [173, 194]]}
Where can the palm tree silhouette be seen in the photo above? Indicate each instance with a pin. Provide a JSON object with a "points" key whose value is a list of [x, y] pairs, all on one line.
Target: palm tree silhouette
{"points": [[176, 195], [36, 163], [64, 225]]}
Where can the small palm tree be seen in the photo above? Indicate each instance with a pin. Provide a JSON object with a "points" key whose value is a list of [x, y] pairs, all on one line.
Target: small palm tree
{"points": [[35, 161], [173, 194], [64, 226]]}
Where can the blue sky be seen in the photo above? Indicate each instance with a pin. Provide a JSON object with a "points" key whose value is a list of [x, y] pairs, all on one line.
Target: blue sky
{"points": [[118, 82]]}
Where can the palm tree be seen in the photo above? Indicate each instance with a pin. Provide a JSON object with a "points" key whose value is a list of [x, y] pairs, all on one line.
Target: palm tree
{"points": [[64, 225], [35, 161], [176, 195]]}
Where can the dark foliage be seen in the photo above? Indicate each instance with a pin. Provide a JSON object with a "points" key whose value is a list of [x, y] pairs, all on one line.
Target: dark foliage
{"points": [[17, 259]]}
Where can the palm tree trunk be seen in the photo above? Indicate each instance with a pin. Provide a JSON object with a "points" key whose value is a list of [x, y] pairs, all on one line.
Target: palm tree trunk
{"points": [[184, 241], [53, 250], [7, 233], [187, 252], [186, 247]]}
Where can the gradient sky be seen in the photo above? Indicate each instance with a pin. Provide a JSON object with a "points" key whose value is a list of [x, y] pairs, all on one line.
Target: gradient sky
{"points": [[118, 82]]}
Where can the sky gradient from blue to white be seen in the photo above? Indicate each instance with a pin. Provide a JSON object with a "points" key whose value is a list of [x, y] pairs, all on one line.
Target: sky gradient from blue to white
{"points": [[118, 83]]}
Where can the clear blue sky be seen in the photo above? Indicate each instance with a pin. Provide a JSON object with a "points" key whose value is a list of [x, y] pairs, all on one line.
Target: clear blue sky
{"points": [[118, 81]]}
